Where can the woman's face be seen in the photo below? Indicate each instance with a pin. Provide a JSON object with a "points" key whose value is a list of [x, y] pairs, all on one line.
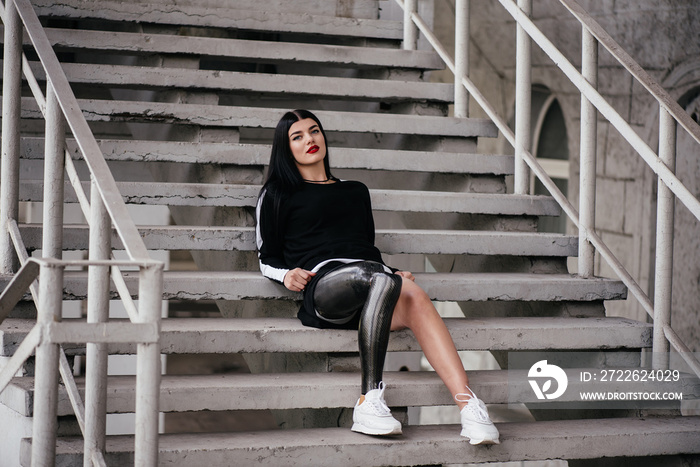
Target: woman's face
{"points": [[307, 143]]}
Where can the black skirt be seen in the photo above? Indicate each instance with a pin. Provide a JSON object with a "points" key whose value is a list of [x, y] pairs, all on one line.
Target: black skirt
{"points": [[307, 311]]}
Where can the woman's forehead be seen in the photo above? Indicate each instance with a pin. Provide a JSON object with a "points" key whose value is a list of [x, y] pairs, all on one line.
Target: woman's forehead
{"points": [[302, 125]]}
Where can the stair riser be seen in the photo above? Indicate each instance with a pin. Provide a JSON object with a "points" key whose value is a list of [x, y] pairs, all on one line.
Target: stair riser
{"points": [[242, 50], [392, 242], [226, 18], [259, 155], [318, 391], [191, 194], [417, 446], [257, 117], [288, 335]]}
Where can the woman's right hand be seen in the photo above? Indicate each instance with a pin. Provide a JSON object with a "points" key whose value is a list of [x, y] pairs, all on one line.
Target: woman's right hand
{"points": [[296, 279]]}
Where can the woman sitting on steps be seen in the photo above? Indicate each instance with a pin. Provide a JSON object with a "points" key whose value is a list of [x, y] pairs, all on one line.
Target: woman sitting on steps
{"points": [[315, 234]]}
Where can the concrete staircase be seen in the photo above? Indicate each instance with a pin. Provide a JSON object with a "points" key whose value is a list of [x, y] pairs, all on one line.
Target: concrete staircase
{"points": [[183, 99]]}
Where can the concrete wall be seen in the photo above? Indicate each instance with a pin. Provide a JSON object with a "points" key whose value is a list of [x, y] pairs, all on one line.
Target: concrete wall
{"points": [[662, 36]]}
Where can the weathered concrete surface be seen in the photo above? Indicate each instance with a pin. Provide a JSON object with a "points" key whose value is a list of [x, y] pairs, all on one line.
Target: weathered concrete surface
{"points": [[271, 85], [259, 335], [244, 50], [419, 445], [229, 195], [244, 285], [228, 18], [394, 241], [321, 390], [258, 117], [228, 153]]}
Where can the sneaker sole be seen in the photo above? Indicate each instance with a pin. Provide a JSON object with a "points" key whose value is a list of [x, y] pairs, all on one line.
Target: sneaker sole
{"points": [[485, 440], [359, 428]]}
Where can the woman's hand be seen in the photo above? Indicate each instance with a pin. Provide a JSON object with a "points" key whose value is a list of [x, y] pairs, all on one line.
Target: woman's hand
{"points": [[406, 275], [296, 279]]}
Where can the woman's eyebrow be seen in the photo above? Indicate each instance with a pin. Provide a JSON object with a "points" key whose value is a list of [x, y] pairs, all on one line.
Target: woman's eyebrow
{"points": [[299, 131]]}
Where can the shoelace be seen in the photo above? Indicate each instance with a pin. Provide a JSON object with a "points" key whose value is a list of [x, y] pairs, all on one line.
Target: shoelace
{"points": [[378, 405], [474, 405], [478, 409]]}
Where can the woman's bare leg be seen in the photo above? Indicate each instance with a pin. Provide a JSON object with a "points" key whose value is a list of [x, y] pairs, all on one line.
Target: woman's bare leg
{"points": [[416, 312]]}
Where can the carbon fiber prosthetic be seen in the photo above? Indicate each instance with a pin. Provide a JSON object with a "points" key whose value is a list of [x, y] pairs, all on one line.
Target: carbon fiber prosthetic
{"points": [[362, 287]]}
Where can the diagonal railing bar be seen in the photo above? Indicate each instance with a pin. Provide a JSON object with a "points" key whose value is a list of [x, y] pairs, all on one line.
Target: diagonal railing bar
{"points": [[75, 181], [605, 252], [607, 110], [133, 243], [682, 349], [124, 294], [72, 389], [23, 352], [654, 88], [17, 287]]}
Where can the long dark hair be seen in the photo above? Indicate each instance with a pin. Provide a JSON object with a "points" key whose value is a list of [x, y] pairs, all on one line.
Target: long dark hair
{"points": [[283, 177]]}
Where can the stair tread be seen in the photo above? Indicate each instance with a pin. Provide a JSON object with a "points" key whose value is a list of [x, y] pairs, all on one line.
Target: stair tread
{"points": [[240, 391], [239, 285], [223, 335], [144, 77], [210, 194], [248, 50], [260, 117], [228, 18], [421, 444], [389, 241], [259, 154]]}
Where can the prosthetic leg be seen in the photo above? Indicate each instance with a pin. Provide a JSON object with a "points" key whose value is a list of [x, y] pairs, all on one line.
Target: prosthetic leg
{"points": [[362, 287], [367, 288]]}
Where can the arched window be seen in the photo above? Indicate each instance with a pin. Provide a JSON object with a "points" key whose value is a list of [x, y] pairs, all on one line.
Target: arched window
{"points": [[550, 146]]}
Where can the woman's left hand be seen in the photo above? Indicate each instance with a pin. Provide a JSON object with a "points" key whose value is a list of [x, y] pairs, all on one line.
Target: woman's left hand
{"points": [[406, 275]]}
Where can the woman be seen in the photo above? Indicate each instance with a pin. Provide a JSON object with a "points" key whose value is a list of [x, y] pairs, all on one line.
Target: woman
{"points": [[315, 234]]}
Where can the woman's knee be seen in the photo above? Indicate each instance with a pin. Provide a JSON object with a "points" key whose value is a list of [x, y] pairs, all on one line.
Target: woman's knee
{"points": [[413, 303]]}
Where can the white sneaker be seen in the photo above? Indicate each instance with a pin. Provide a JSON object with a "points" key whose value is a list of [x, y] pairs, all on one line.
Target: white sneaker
{"points": [[476, 424], [373, 417]]}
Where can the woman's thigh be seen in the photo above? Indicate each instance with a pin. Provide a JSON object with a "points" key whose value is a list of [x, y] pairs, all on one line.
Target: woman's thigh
{"points": [[343, 291]]}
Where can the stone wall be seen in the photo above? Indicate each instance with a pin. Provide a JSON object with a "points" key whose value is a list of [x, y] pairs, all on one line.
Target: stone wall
{"points": [[662, 36]]}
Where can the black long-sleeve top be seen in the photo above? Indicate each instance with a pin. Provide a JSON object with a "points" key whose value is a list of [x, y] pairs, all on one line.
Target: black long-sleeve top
{"points": [[317, 224]]}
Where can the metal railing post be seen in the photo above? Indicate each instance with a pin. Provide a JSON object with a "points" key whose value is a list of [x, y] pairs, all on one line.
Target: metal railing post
{"points": [[461, 106], [523, 103], [11, 108], [587, 182], [410, 30], [665, 212], [45, 422], [97, 312], [148, 369], [54, 165]]}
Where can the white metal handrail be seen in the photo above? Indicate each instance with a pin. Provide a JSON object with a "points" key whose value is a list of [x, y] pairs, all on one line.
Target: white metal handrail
{"points": [[106, 208], [47, 336], [665, 174]]}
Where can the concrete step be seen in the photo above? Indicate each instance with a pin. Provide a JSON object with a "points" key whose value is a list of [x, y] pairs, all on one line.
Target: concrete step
{"points": [[248, 51], [259, 84], [222, 335], [258, 117], [238, 285], [259, 154], [419, 445], [319, 390], [203, 194], [258, 19], [178, 237]]}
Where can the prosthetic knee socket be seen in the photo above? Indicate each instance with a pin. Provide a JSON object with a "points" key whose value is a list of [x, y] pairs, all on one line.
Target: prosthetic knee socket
{"points": [[375, 324]]}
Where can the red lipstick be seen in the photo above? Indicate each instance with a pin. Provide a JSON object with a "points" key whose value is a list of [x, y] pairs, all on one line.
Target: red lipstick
{"points": [[313, 149]]}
